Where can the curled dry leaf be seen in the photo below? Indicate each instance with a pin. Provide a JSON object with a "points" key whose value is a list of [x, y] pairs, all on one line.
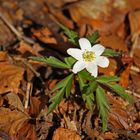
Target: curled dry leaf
{"points": [[133, 5], [14, 100], [10, 77], [119, 114], [115, 43], [134, 19], [27, 131], [106, 16], [11, 121], [136, 56], [3, 56], [65, 134], [44, 35], [136, 83], [6, 36], [62, 19], [125, 76], [59, 3], [25, 48]]}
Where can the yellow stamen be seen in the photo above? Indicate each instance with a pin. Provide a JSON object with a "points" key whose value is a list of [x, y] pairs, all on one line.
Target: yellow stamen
{"points": [[88, 56]]}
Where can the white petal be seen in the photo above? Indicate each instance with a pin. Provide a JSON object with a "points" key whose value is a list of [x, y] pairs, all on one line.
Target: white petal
{"points": [[84, 44], [92, 68], [78, 66], [98, 49], [76, 53], [102, 61]]}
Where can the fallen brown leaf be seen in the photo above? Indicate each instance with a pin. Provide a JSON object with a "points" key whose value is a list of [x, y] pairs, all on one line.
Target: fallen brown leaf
{"points": [[5, 35], [106, 16], [118, 116], [10, 77], [26, 48], [11, 121], [65, 134], [135, 78], [137, 57], [125, 76], [3, 56], [44, 35], [116, 43], [14, 100]]}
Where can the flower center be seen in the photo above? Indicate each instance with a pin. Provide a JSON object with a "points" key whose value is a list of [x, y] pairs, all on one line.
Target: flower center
{"points": [[88, 56]]}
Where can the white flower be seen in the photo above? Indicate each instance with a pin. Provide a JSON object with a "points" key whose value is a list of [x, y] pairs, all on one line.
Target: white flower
{"points": [[88, 57]]}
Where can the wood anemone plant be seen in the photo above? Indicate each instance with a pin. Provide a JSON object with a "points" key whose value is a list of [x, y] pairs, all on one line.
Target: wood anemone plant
{"points": [[83, 64]]}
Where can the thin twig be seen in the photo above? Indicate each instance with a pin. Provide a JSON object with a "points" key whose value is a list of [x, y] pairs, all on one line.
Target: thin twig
{"points": [[28, 94], [15, 31], [135, 69], [31, 68], [133, 93]]}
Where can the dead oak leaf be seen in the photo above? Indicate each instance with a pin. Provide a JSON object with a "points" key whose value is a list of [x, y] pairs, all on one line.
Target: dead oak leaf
{"points": [[25, 47], [119, 114], [106, 16], [10, 77], [14, 100], [116, 43], [3, 56], [65, 134], [11, 121], [44, 35]]}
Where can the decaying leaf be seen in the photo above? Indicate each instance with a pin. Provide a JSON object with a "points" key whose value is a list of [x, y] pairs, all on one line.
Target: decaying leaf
{"points": [[125, 76], [118, 116], [136, 82], [10, 77], [11, 121], [65, 134], [137, 57], [14, 100], [3, 56], [6, 35], [26, 48], [100, 14], [44, 35]]}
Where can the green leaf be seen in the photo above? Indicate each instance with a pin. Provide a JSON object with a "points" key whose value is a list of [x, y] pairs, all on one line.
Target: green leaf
{"points": [[52, 61], [40, 59], [63, 83], [63, 87], [68, 85], [103, 106], [87, 94], [107, 79], [89, 100], [110, 53], [81, 81], [93, 38], [56, 100], [70, 61], [120, 91], [93, 86], [73, 36], [85, 75]]}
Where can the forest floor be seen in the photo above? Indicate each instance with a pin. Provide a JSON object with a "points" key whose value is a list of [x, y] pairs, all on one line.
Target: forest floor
{"points": [[31, 28]]}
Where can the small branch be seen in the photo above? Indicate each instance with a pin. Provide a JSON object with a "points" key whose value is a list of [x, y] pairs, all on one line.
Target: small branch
{"points": [[31, 68], [135, 69], [15, 31], [133, 93], [28, 94]]}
